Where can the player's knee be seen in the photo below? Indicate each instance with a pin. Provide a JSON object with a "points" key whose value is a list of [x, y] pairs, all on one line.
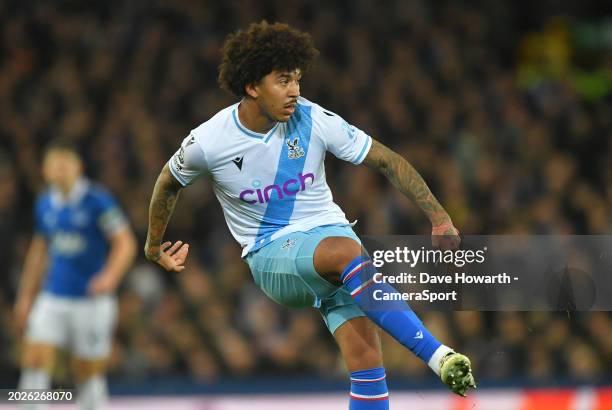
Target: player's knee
{"points": [[333, 254], [85, 369], [38, 356]]}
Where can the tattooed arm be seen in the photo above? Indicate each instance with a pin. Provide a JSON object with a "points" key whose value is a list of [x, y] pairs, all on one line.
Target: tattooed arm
{"points": [[165, 194], [411, 184]]}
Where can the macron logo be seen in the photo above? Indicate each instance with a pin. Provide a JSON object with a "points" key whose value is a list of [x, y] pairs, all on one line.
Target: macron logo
{"points": [[238, 162], [288, 188], [419, 334]]}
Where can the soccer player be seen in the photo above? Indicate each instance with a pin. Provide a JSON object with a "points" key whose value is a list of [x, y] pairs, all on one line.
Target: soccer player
{"points": [[265, 157], [81, 248]]}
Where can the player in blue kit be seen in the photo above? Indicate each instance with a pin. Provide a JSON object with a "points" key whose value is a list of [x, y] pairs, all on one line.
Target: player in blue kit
{"points": [[81, 248], [265, 158]]}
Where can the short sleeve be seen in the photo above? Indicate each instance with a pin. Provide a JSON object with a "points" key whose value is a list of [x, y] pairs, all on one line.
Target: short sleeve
{"points": [[189, 162], [111, 218], [345, 141]]}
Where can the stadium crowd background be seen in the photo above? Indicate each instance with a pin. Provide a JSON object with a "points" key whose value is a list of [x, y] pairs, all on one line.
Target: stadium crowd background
{"points": [[505, 111]]}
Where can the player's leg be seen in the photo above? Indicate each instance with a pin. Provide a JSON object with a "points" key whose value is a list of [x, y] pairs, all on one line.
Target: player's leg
{"points": [[46, 332], [93, 325], [37, 363], [356, 335], [284, 271], [341, 261], [91, 382], [359, 342]]}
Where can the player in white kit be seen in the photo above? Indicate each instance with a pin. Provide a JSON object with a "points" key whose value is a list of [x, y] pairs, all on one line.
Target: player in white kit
{"points": [[80, 250], [265, 158]]}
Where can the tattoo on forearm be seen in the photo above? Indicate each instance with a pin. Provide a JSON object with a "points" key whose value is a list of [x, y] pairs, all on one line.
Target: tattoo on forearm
{"points": [[406, 179], [163, 201]]}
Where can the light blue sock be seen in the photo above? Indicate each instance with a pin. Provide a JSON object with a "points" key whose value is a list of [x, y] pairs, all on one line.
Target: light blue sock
{"points": [[369, 390], [395, 317]]}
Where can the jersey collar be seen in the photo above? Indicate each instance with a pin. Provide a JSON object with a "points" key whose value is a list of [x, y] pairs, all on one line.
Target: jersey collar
{"points": [[75, 195], [252, 134]]}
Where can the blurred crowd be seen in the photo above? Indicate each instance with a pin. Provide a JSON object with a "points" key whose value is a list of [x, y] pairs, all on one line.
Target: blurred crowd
{"points": [[436, 81]]}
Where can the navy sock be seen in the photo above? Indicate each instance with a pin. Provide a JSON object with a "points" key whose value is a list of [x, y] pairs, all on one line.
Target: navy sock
{"points": [[369, 390], [395, 317]]}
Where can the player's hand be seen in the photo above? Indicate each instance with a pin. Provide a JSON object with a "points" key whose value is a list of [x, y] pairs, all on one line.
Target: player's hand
{"points": [[445, 237], [103, 282], [172, 257]]}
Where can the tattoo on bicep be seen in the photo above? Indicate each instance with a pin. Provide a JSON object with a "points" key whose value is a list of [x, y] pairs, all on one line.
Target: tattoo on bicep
{"points": [[376, 158]]}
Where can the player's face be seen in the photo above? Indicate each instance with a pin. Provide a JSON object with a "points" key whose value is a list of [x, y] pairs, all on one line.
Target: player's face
{"points": [[278, 93], [61, 168]]}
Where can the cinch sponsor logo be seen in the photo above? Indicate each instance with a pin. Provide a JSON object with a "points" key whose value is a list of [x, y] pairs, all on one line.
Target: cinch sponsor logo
{"points": [[290, 188]]}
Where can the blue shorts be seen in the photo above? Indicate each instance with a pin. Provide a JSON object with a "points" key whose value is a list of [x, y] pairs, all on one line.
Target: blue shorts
{"points": [[284, 270]]}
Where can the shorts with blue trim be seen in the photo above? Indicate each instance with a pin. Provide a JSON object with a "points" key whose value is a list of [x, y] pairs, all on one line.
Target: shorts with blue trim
{"points": [[284, 270]]}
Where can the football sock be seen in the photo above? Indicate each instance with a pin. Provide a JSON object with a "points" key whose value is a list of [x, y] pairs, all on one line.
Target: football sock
{"points": [[395, 317], [369, 390], [34, 379], [92, 394], [434, 362]]}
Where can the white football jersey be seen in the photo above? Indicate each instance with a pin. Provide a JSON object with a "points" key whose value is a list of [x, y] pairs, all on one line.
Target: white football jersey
{"points": [[270, 184]]}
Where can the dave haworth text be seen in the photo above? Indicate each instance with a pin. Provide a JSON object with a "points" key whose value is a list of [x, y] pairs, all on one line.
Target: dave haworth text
{"points": [[424, 278], [458, 278]]}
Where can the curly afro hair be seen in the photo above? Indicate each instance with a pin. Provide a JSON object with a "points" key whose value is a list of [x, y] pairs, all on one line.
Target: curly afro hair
{"points": [[250, 55]]}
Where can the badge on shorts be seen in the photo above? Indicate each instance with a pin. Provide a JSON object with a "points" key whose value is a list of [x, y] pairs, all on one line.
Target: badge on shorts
{"points": [[288, 244]]}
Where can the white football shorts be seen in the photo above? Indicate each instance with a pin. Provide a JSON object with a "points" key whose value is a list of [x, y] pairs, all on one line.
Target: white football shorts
{"points": [[83, 326]]}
